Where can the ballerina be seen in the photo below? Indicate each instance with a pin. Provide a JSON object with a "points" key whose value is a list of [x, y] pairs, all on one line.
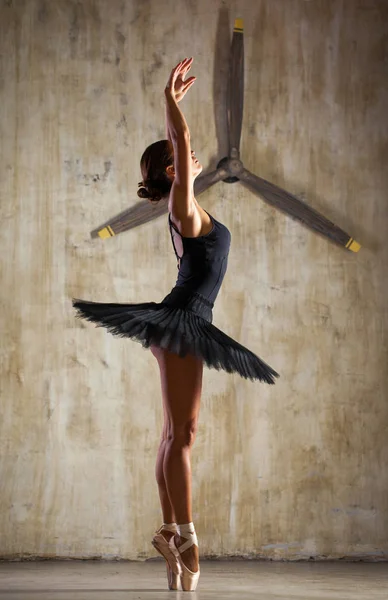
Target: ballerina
{"points": [[179, 329]]}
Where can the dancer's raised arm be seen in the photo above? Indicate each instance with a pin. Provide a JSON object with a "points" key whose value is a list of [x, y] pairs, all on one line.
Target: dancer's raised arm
{"points": [[175, 90], [182, 192]]}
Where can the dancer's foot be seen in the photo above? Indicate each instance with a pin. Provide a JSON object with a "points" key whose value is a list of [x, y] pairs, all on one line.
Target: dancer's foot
{"points": [[167, 534], [190, 557], [160, 542], [184, 546]]}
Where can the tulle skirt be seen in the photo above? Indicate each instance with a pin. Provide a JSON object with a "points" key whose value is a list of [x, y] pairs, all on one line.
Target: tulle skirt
{"points": [[182, 324]]}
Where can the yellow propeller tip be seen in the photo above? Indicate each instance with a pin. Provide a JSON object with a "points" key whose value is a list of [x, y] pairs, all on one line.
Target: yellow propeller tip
{"points": [[106, 232], [238, 25], [353, 245]]}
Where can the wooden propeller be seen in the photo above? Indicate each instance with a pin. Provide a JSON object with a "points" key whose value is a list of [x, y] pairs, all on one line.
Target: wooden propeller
{"points": [[230, 170]]}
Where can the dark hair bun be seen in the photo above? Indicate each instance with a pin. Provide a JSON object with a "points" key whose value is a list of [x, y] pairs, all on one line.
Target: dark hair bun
{"points": [[148, 190], [142, 192]]}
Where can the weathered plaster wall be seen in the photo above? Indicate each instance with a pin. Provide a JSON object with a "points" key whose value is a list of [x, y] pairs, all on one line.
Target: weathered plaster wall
{"points": [[293, 470]]}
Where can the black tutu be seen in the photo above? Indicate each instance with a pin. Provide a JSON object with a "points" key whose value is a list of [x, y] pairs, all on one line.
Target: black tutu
{"points": [[182, 324]]}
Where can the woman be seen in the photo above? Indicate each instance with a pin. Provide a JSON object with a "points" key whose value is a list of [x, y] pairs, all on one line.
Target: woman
{"points": [[179, 329]]}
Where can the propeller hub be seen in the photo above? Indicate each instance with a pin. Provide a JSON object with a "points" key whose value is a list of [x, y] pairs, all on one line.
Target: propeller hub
{"points": [[233, 166]]}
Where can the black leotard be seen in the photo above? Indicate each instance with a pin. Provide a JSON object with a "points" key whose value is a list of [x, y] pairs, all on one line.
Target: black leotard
{"points": [[204, 261]]}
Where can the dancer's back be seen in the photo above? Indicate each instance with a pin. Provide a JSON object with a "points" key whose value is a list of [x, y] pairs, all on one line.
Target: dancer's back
{"points": [[203, 262]]}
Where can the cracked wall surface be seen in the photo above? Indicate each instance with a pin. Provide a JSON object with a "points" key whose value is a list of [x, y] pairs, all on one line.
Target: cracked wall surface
{"points": [[290, 471]]}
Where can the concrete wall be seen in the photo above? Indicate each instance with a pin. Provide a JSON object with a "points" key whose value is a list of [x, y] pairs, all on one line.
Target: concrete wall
{"points": [[288, 471]]}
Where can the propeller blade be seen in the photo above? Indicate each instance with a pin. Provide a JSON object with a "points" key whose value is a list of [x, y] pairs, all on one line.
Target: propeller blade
{"points": [[144, 211], [235, 95], [203, 182], [297, 209]]}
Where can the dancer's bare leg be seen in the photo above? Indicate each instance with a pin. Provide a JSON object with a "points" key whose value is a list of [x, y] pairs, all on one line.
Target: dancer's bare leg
{"points": [[181, 380], [167, 510]]}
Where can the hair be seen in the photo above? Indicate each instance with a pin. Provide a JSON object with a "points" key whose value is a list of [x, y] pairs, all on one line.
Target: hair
{"points": [[153, 163]]}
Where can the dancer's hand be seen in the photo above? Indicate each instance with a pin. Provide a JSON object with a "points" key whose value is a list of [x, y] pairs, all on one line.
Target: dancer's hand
{"points": [[175, 85]]}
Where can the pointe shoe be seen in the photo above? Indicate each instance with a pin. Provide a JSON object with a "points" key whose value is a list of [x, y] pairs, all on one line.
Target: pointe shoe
{"points": [[189, 579], [173, 568]]}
